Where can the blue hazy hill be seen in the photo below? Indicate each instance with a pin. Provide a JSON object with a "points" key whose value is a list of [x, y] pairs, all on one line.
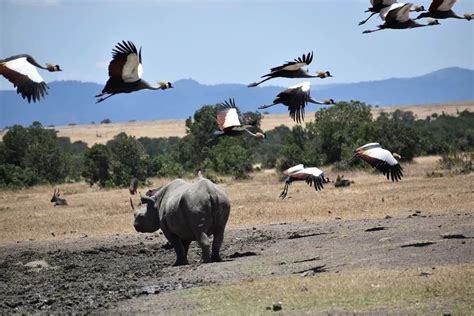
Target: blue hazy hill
{"points": [[73, 101]]}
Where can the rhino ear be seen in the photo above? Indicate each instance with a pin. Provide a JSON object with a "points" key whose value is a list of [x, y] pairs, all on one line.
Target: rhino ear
{"points": [[147, 199]]}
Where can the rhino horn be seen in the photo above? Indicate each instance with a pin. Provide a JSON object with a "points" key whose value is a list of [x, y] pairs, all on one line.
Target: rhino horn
{"points": [[131, 203]]}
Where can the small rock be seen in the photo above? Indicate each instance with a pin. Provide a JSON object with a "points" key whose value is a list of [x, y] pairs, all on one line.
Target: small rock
{"points": [[144, 251], [388, 217], [308, 273], [37, 264], [52, 234], [277, 306], [424, 274], [337, 218]]}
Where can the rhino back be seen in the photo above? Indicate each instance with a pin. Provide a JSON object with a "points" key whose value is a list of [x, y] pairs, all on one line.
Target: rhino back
{"points": [[194, 207]]}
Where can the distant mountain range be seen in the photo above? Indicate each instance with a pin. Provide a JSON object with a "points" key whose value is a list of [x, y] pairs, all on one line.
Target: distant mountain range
{"points": [[73, 101]]}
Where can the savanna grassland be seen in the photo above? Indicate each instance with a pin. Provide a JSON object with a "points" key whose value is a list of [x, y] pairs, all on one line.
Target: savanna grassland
{"points": [[28, 214], [373, 247]]}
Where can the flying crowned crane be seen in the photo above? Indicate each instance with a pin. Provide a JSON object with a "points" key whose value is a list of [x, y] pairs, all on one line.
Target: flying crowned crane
{"points": [[381, 159], [296, 98], [378, 5], [442, 9], [21, 71], [397, 16], [293, 69], [229, 124], [125, 73], [312, 176]]}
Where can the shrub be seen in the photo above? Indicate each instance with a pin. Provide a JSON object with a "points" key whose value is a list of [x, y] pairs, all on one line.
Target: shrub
{"points": [[458, 163]]}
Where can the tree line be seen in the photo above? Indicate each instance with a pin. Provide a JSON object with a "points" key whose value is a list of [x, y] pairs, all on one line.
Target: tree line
{"points": [[34, 155]]}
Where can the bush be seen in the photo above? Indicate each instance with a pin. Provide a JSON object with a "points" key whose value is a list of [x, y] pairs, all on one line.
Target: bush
{"points": [[105, 121], [12, 176]]}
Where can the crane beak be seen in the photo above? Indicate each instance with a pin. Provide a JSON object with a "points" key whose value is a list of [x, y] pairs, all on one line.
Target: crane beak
{"points": [[353, 158]]}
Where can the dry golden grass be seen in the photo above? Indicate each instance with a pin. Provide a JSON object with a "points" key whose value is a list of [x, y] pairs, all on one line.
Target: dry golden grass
{"points": [[445, 290], [101, 133], [28, 214]]}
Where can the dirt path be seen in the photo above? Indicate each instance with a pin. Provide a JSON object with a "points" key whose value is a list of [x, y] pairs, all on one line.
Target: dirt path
{"points": [[120, 273]]}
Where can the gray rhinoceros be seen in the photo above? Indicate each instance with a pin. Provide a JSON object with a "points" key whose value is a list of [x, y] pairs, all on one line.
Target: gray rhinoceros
{"points": [[186, 212]]}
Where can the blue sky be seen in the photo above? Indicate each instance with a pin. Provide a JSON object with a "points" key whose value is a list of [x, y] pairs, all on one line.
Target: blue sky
{"points": [[228, 41]]}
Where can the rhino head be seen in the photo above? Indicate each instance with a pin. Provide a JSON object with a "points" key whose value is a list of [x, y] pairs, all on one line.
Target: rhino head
{"points": [[146, 217]]}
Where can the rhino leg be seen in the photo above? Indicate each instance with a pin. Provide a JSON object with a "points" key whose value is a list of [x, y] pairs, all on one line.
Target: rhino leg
{"points": [[181, 252], [186, 244], [216, 244], [205, 244], [179, 248]]}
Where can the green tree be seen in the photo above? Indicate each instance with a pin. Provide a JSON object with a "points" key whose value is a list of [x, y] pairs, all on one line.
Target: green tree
{"points": [[271, 149], [37, 149], [228, 157], [397, 133], [97, 163], [336, 131], [128, 159]]}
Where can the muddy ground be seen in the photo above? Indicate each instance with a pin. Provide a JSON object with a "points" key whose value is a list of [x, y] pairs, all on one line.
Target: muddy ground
{"points": [[128, 273]]}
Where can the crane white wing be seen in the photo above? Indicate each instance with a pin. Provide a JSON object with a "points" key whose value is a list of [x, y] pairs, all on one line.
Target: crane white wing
{"points": [[312, 171], [396, 11], [132, 69], [446, 5], [403, 13], [383, 160], [22, 66], [293, 169], [296, 64], [305, 86], [367, 146], [382, 155], [295, 98], [231, 118]]}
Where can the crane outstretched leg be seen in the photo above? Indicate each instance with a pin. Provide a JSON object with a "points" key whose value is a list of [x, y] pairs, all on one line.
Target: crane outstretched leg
{"points": [[363, 22], [266, 106], [285, 189], [254, 84], [371, 31], [104, 98]]}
